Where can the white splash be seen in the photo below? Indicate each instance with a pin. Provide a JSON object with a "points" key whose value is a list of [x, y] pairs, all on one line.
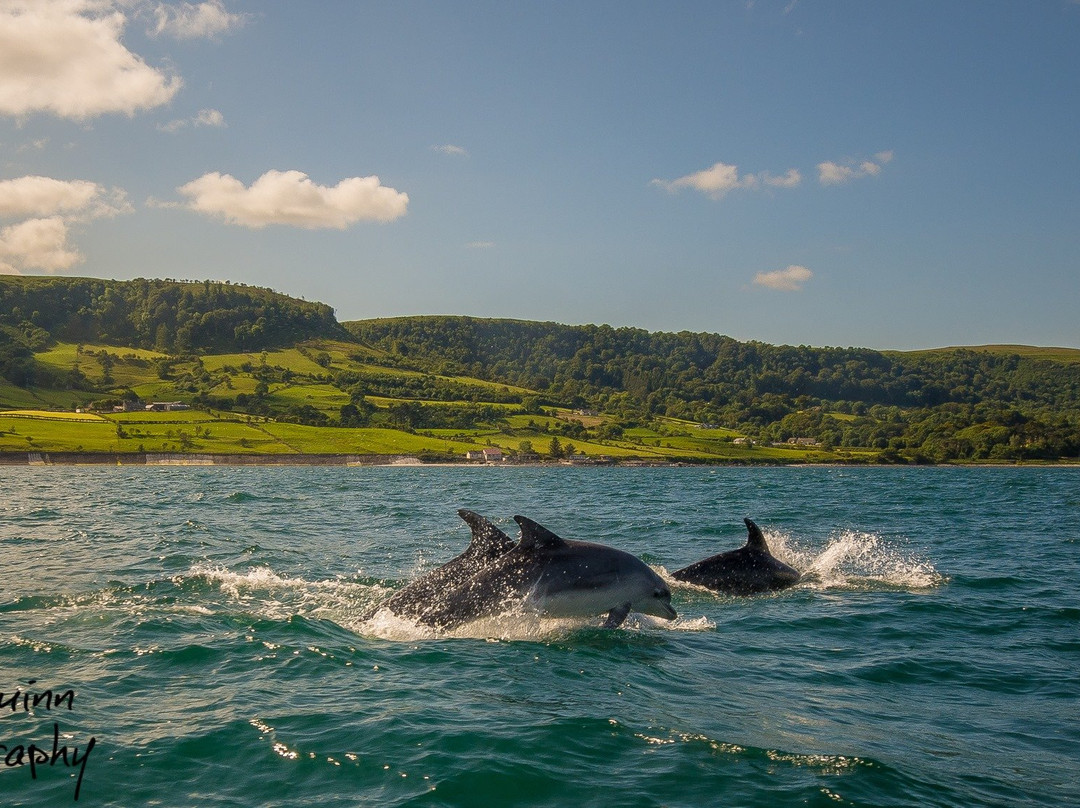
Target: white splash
{"points": [[279, 596], [853, 559], [512, 625]]}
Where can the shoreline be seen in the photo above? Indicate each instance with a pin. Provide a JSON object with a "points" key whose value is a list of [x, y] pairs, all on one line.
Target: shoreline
{"points": [[303, 459], [412, 461]]}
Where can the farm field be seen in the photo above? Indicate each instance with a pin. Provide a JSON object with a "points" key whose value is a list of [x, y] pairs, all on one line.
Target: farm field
{"points": [[226, 433], [301, 379]]}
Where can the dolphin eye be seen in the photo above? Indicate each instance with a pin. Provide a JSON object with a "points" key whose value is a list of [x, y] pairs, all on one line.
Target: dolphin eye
{"points": [[658, 593]]}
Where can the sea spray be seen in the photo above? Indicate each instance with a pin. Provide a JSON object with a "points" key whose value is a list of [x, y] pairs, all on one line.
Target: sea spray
{"points": [[853, 559]]}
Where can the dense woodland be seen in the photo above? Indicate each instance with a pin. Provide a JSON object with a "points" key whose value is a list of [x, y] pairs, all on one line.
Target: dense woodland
{"points": [[928, 406], [933, 406], [168, 316]]}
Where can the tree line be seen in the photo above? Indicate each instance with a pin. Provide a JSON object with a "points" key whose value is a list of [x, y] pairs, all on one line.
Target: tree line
{"points": [[164, 315], [928, 406]]}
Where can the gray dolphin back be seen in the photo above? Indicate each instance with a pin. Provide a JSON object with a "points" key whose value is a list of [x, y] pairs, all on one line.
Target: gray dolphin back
{"points": [[749, 570], [487, 540], [755, 539], [542, 573], [535, 536], [426, 593]]}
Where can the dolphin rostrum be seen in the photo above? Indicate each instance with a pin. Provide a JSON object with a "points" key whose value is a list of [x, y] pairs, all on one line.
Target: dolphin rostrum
{"points": [[553, 577], [750, 569], [487, 543]]}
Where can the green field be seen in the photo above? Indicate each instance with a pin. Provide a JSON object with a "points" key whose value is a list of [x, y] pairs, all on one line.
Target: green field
{"points": [[1066, 355], [43, 420], [46, 433], [205, 433], [196, 431], [292, 359], [323, 397]]}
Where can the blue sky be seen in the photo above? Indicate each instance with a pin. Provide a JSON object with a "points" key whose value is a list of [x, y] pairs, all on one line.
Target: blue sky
{"points": [[888, 175]]}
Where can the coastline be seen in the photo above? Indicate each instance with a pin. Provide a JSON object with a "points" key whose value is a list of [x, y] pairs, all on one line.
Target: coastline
{"points": [[198, 459], [294, 459], [400, 460]]}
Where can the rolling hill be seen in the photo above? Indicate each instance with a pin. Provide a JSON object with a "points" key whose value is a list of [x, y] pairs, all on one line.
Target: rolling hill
{"points": [[267, 373]]}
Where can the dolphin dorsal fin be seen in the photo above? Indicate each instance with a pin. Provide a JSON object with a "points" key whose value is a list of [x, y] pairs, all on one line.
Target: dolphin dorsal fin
{"points": [[535, 536], [486, 538], [755, 540]]}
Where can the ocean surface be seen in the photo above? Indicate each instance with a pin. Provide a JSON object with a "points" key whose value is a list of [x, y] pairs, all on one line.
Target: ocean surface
{"points": [[202, 637]]}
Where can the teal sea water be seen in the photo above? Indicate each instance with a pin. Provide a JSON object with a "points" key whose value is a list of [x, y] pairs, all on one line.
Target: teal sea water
{"points": [[210, 625]]}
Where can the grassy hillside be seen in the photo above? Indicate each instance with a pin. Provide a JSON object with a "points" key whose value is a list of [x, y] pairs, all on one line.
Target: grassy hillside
{"points": [[290, 401], [1070, 356], [293, 399], [278, 376]]}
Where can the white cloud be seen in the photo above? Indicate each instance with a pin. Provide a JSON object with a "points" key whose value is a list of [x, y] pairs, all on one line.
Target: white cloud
{"points": [[448, 148], [715, 181], [48, 208], [291, 198], [209, 117], [721, 178], [66, 57], [44, 196], [830, 173], [37, 244], [205, 117], [34, 145], [785, 280], [789, 180], [480, 245], [195, 20]]}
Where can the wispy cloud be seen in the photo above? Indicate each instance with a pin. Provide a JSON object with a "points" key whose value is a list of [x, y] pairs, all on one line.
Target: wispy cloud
{"points": [[195, 20], [830, 173], [480, 245], [722, 178], [205, 117], [790, 279], [291, 198], [34, 145], [67, 58], [456, 151]]}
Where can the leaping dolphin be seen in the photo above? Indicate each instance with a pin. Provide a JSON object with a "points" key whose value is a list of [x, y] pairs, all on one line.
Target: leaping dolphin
{"points": [[487, 543], [746, 571], [553, 577]]}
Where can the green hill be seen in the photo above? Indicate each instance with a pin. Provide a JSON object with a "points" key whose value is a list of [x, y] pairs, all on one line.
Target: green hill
{"points": [[168, 316], [1065, 355], [974, 404], [268, 373]]}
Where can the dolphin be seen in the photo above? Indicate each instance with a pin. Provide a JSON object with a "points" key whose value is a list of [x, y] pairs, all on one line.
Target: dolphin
{"points": [[553, 577], [750, 569], [487, 543]]}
